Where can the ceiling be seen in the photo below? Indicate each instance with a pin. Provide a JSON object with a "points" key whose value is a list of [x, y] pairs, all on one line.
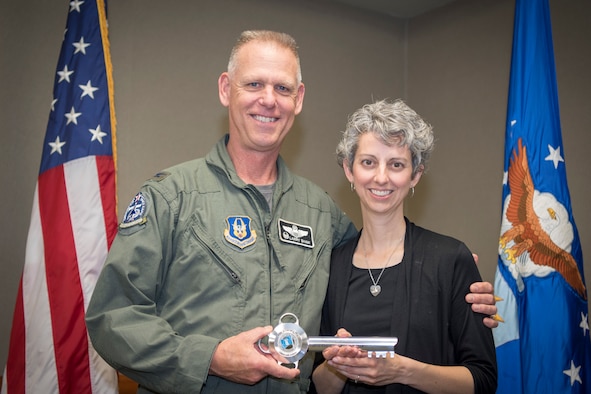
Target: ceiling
{"points": [[397, 8]]}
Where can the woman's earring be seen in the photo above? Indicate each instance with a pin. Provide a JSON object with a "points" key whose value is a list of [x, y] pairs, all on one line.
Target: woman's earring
{"points": [[352, 187], [412, 192]]}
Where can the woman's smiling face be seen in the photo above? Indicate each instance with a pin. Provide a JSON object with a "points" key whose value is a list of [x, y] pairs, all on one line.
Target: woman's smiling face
{"points": [[381, 174]]}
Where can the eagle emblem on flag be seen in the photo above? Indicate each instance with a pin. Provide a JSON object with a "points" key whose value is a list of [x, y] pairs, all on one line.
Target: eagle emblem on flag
{"points": [[538, 224]]}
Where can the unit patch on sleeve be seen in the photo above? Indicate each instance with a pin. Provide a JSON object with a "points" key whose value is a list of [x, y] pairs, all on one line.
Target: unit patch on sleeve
{"points": [[297, 234], [135, 213], [160, 176], [238, 231]]}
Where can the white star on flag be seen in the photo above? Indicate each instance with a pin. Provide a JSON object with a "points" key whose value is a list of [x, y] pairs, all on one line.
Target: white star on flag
{"points": [[88, 90], [573, 372], [554, 156], [65, 74], [57, 145], [80, 46], [75, 5], [72, 116], [584, 324], [97, 134]]}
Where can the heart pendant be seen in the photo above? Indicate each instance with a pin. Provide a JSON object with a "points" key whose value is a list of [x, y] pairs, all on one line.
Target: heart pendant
{"points": [[375, 290]]}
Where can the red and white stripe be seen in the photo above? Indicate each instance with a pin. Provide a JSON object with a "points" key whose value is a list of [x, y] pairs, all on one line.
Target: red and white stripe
{"points": [[73, 223]]}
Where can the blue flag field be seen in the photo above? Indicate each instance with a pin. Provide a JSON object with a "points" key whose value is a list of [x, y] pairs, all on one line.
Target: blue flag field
{"points": [[544, 345]]}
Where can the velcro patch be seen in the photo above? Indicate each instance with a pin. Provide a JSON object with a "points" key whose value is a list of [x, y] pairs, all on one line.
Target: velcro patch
{"points": [[297, 234], [238, 231], [160, 176], [135, 213]]}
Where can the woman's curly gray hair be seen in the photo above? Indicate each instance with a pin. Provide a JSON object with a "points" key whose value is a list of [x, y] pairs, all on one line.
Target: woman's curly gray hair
{"points": [[393, 123]]}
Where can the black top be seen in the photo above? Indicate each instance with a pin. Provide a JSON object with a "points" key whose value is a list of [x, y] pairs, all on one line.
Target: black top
{"points": [[422, 302], [364, 312]]}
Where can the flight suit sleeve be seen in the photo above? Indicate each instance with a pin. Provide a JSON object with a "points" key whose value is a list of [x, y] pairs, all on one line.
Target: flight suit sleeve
{"points": [[123, 318], [343, 227]]}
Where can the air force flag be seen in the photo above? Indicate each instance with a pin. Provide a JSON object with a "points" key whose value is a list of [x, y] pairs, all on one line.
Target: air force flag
{"points": [[543, 346]]}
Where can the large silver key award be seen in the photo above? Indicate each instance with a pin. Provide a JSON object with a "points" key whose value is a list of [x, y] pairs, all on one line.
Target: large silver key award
{"points": [[288, 341]]}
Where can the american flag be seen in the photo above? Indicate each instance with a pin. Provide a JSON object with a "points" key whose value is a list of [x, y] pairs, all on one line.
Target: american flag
{"points": [[73, 221], [544, 345]]}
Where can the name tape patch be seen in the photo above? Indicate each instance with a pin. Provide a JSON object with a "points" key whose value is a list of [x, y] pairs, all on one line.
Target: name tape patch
{"points": [[297, 234]]}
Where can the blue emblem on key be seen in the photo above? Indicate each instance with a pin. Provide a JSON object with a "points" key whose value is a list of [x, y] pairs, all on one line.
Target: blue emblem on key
{"points": [[287, 342]]}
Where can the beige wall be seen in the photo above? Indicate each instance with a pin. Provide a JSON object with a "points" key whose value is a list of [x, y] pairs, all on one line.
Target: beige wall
{"points": [[452, 65], [459, 59]]}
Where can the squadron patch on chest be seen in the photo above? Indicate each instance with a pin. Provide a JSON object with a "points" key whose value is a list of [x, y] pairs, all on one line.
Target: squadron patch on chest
{"points": [[297, 234], [238, 231]]}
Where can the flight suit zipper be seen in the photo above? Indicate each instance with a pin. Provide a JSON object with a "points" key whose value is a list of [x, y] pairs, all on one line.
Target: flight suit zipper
{"points": [[229, 271]]}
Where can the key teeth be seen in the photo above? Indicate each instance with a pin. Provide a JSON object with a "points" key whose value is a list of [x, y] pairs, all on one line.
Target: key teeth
{"points": [[380, 354]]}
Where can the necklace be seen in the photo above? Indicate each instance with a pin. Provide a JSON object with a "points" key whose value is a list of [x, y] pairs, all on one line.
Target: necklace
{"points": [[375, 289]]}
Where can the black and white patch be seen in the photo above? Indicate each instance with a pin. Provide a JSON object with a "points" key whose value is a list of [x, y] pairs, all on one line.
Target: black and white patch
{"points": [[297, 234]]}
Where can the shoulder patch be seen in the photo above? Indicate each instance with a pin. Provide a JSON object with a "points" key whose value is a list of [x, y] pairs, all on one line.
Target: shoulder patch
{"points": [[135, 213], [297, 234], [159, 176]]}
